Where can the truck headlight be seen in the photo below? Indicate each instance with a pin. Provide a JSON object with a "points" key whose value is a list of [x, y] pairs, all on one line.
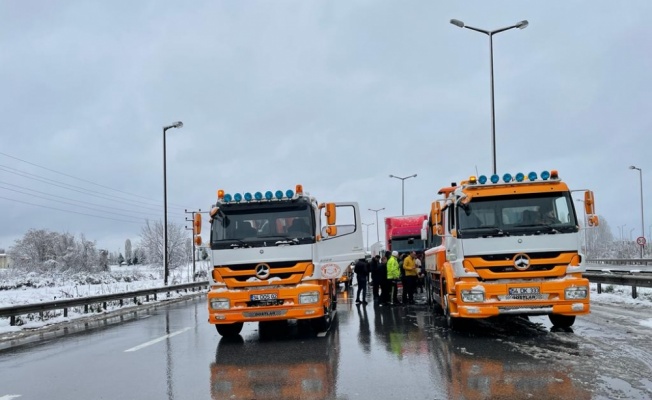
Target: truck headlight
{"points": [[220, 304], [578, 292], [309, 298], [472, 296]]}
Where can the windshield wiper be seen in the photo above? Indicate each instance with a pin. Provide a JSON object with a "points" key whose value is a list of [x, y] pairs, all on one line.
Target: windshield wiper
{"points": [[549, 229], [289, 241], [240, 244]]}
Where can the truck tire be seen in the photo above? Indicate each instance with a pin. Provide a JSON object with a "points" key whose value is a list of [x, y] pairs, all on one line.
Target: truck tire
{"points": [[322, 324], [454, 323], [229, 330], [562, 321]]}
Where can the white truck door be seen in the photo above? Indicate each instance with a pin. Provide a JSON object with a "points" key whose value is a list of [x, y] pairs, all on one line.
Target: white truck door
{"points": [[335, 253]]}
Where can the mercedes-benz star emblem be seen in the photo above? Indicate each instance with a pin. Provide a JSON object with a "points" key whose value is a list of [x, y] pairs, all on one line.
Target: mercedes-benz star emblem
{"points": [[262, 271], [521, 262]]}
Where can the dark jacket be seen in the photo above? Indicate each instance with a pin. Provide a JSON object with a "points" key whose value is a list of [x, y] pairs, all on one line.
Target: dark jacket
{"points": [[361, 269], [374, 265]]}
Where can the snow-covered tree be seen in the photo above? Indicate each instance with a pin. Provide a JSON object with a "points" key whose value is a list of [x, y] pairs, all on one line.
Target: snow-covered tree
{"points": [[40, 249], [152, 238]]}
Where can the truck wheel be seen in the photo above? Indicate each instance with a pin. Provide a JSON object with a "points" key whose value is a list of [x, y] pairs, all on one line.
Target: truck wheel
{"points": [[562, 321], [229, 330], [322, 324], [453, 323]]}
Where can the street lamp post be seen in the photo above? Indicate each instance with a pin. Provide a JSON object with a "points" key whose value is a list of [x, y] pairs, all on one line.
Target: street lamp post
{"points": [[640, 178], [377, 226], [621, 228], [403, 189], [166, 269], [521, 25], [367, 225]]}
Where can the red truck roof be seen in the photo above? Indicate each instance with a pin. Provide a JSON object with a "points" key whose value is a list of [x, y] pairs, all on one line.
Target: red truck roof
{"points": [[404, 225]]}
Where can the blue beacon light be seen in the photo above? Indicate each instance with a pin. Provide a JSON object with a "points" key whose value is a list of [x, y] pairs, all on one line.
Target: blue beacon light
{"points": [[495, 178], [532, 176], [279, 194], [482, 179], [258, 196], [269, 195], [545, 175], [227, 198]]}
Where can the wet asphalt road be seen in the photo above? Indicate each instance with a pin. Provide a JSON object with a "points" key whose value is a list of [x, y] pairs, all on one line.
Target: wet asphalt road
{"points": [[370, 352]]}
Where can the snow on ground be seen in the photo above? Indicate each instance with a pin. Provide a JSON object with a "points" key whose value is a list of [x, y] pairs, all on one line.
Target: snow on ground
{"points": [[34, 288]]}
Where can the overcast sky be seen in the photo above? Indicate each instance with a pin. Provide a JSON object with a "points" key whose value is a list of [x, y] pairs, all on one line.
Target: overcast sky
{"points": [[335, 95]]}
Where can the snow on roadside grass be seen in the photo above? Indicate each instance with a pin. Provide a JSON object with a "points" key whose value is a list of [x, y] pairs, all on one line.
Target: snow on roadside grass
{"points": [[34, 288], [617, 294]]}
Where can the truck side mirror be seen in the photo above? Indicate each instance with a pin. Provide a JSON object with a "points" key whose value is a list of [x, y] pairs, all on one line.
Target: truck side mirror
{"points": [[589, 205], [330, 214]]}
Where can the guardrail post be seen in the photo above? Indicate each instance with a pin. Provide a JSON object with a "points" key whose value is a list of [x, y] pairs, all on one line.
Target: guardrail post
{"points": [[85, 308], [12, 320], [65, 312], [599, 288], [634, 294]]}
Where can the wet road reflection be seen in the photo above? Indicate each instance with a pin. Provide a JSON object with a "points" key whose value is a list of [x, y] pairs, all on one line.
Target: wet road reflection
{"points": [[396, 352], [289, 363]]}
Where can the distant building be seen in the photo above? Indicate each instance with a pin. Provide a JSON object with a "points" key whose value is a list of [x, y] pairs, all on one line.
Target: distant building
{"points": [[4, 260]]}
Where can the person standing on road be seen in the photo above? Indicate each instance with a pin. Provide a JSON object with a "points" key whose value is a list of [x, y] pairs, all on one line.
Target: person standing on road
{"points": [[421, 273], [361, 272], [393, 275], [410, 281], [375, 276], [384, 285]]}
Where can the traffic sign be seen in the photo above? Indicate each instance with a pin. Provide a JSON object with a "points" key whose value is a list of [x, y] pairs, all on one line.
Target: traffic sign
{"points": [[640, 240]]}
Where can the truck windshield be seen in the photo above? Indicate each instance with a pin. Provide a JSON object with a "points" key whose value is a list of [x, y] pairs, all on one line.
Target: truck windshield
{"points": [[254, 224], [537, 213], [406, 245]]}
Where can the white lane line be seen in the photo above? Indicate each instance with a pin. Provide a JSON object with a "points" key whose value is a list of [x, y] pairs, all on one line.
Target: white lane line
{"points": [[151, 342], [10, 396]]}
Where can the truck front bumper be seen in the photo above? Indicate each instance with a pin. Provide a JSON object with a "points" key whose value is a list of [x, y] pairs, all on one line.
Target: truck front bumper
{"points": [[287, 305], [549, 297]]}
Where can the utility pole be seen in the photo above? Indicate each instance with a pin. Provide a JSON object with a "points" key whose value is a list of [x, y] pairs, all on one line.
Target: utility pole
{"points": [[192, 219]]}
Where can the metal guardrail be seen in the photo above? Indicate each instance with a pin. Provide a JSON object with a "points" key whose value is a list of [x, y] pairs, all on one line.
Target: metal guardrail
{"points": [[14, 311], [620, 261], [622, 279]]}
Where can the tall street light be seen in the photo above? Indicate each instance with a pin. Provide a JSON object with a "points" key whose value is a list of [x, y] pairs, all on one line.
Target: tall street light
{"points": [[367, 225], [521, 25], [403, 189], [621, 228], [377, 231], [640, 178], [178, 124]]}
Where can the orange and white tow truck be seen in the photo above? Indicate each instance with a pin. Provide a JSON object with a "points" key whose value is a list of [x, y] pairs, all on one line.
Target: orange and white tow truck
{"points": [[278, 256], [507, 245]]}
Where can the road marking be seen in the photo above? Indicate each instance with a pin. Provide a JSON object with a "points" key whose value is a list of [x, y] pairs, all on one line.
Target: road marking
{"points": [[151, 342], [10, 396]]}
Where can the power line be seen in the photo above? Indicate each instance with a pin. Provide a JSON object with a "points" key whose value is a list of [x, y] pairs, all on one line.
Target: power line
{"points": [[69, 199], [78, 205], [69, 211], [79, 179]]}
